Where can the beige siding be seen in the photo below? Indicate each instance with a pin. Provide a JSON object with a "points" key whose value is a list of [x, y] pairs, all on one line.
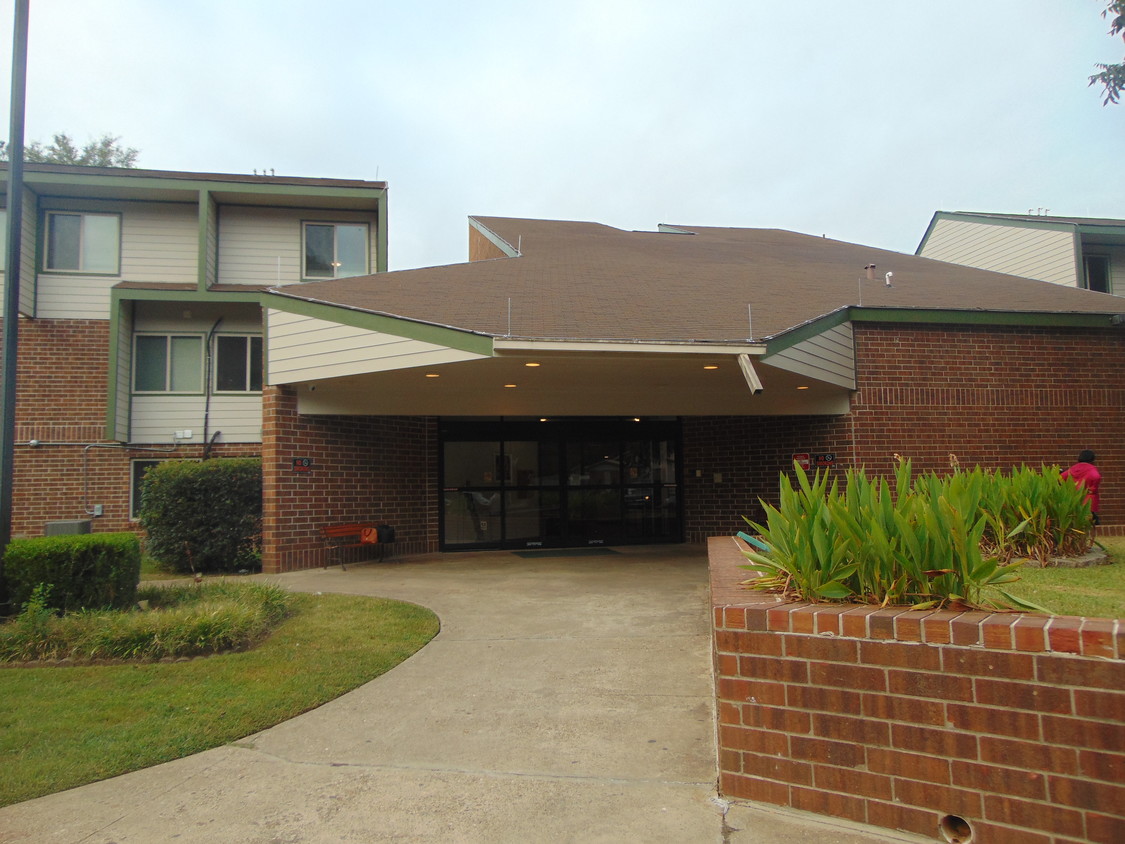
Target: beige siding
{"points": [[828, 357], [262, 246], [158, 244], [1044, 254], [237, 418], [305, 349], [27, 254]]}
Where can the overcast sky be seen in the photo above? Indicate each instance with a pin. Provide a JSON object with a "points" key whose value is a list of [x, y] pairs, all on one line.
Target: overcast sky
{"points": [[856, 120]]}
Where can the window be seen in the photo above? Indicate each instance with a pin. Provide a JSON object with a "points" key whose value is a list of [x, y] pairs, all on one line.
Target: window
{"points": [[168, 363], [138, 469], [83, 243], [3, 239], [238, 364], [1097, 273], [335, 250]]}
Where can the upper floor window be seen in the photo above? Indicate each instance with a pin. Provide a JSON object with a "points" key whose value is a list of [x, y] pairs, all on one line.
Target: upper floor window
{"points": [[168, 363], [335, 250], [238, 364], [1097, 273], [83, 243]]}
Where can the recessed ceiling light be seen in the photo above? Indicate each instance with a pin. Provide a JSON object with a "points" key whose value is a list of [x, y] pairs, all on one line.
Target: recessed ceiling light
{"points": [[432, 375], [509, 385], [531, 363], [710, 366], [802, 387]]}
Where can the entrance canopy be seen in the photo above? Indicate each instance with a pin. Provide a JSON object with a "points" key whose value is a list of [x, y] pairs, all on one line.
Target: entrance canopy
{"points": [[578, 319]]}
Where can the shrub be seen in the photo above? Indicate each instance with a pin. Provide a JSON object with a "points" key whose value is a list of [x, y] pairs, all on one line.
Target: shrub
{"points": [[204, 516], [920, 545], [180, 622], [66, 573]]}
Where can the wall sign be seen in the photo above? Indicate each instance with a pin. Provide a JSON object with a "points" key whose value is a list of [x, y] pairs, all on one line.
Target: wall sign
{"points": [[802, 460], [824, 460], [302, 464]]}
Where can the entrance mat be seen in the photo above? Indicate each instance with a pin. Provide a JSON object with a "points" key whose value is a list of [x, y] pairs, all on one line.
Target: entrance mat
{"points": [[567, 552]]}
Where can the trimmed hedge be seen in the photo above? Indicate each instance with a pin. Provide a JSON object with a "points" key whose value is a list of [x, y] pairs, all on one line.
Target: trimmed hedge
{"points": [[83, 571], [204, 516]]}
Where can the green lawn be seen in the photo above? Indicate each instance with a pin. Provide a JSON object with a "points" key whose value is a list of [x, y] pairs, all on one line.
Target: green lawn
{"points": [[1094, 591], [62, 727]]}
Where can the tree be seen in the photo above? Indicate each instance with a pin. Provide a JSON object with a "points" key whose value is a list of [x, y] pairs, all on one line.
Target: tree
{"points": [[1112, 76], [105, 151]]}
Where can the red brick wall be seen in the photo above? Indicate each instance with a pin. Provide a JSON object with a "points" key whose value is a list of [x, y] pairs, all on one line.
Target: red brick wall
{"points": [[749, 453], [997, 397], [364, 468], [903, 719], [61, 402]]}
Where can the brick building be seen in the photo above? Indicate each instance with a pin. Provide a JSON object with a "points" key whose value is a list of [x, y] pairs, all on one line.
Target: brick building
{"points": [[574, 384], [140, 329], [571, 385]]}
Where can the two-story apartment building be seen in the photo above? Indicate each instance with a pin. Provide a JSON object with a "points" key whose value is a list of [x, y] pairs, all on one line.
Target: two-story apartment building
{"points": [[1071, 251], [140, 331]]}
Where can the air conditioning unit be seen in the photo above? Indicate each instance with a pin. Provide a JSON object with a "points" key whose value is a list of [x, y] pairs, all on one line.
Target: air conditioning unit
{"points": [[66, 527]]}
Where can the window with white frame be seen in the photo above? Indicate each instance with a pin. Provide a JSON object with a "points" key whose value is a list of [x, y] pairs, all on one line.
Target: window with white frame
{"points": [[168, 363], [238, 363], [83, 243], [335, 250]]}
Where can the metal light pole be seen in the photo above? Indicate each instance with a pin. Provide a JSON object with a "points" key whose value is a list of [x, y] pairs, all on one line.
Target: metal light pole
{"points": [[12, 273]]}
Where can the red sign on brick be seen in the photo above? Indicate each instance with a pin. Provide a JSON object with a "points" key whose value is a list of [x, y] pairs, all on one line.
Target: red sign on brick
{"points": [[802, 460]]}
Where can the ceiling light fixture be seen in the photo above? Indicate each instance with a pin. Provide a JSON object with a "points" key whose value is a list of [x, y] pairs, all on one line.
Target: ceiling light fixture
{"points": [[531, 363], [432, 375], [711, 366], [509, 385], [802, 387]]}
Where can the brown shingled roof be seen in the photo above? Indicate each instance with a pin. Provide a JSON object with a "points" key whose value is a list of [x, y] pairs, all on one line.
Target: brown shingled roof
{"points": [[586, 281]]}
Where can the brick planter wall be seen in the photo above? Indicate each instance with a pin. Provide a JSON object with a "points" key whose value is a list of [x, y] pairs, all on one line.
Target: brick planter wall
{"points": [[897, 718], [364, 468]]}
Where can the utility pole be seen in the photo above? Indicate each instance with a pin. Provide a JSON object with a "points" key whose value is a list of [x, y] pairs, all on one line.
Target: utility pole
{"points": [[11, 308]]}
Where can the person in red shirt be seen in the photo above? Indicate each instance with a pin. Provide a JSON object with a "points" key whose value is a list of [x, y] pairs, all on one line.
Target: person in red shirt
{"points": [[1085, 474]]}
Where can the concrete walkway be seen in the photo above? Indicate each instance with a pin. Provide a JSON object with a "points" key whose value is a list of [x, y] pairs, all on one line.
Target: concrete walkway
{"points": [[566, 699]]}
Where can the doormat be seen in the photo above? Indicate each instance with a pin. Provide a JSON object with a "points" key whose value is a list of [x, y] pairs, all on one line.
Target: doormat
{"points": [[566, 552]]}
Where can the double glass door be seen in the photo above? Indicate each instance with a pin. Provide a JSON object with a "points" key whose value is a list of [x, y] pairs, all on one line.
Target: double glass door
{"points": [[524, 484]]}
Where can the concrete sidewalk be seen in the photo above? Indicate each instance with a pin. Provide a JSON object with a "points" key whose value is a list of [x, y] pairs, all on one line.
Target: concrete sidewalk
{"points": [[566, 699]]}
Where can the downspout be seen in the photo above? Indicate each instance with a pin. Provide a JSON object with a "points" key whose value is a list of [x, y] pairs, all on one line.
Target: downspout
{"points": [[208, 358]]}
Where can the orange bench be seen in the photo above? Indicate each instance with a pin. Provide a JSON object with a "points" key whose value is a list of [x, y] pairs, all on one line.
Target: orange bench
{"points": [[354, 535]]}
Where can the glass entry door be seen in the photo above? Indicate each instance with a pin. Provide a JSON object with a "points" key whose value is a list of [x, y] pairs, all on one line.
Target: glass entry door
{"points": [[567, 483]]}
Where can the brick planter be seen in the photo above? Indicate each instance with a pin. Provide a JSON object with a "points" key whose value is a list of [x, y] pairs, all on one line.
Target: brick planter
{"points": [[1011, 723]]}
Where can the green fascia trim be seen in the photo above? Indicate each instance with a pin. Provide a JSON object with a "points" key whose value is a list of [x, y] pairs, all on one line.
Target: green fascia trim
{"points": [[912, 316], [1005, 318], [252, 294], [804, 331], [204, 221], [440, 335], [198, 185], [493, 238]]}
